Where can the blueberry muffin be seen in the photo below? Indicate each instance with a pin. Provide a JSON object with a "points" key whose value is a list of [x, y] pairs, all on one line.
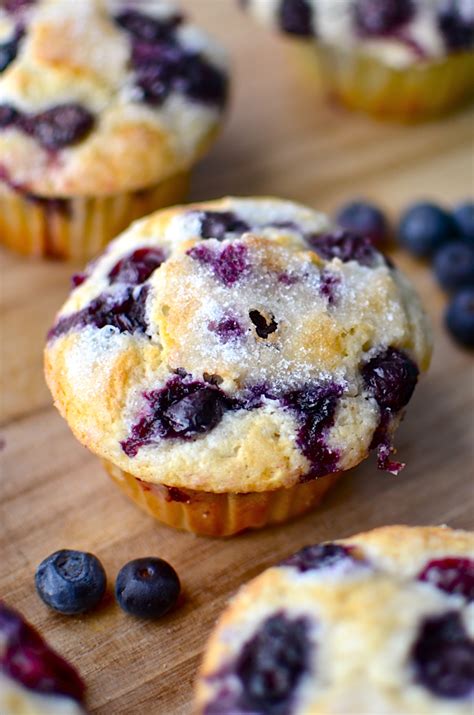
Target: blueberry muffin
{"points": [[378, 623], [399, 59], [227, 360], [34, 680], [105, 105]]}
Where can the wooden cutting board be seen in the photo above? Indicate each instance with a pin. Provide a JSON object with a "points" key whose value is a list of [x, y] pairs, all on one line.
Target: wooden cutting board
{"points": [[283, 139]]}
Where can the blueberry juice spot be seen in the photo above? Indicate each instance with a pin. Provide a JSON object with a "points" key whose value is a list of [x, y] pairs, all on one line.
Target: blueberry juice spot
{"points": [[443, 657], [27, 658], [228, 329], [451, 574], [345, 246], [14, 6], [269, 670], [329, 285], [227, 264], [263, 326], [315, 407], [320, 556], [125, 312], [216, 224], [137, 267], [375, 18], [183, 408]]}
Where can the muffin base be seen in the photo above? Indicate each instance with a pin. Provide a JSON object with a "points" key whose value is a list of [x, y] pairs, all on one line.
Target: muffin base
{"points": [[78, 228], [420, 92], [210, 514]]}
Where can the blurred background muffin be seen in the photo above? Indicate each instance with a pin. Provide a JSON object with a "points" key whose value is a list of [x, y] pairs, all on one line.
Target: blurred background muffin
{"points": [[104, 109], [397, 59]]}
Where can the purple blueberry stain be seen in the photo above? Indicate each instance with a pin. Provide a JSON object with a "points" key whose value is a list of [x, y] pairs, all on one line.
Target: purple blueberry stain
{"points": [[125, 312], [228, 329], [16, 6], [27, 658], [315, 407], [264, 326], [268, 670], [329, 286], [184, 408], [137, 267], [443, 657], [228, 264], [344, 245], [320, 556], [451, 574]]}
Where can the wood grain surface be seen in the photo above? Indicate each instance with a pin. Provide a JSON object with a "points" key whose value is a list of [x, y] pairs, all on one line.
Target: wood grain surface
{"points": [[281, 138]]}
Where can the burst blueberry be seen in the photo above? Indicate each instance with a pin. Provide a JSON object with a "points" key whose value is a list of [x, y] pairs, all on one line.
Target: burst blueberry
{"points": [[443, 657], [216, 224], [9, 50], [452, 575], [456, 22], [454, 265], [296, 17], [390, 377], [459, 317], [381, 17], [147, 28], [364, 219], [344, 245], [319, 556], [71, 581], [425, 227], [147, 588], [272, 664], [137, 267]]}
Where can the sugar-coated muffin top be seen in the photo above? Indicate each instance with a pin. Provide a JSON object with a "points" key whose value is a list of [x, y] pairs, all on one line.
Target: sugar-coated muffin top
{"points": [[239, 345], [378, 623], [34, 679], [399, 32], [103, 96]]}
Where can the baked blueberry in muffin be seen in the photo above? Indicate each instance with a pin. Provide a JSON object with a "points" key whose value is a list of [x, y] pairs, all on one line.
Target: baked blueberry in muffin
{"points": [[34, 679], [377, 623], [104, 109], [243, 350]]}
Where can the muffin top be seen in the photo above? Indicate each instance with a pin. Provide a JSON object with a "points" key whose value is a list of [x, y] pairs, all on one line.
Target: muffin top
{"points": [[34, 679], [239, 345], [103, 96], [378, 623], [398, 32]]}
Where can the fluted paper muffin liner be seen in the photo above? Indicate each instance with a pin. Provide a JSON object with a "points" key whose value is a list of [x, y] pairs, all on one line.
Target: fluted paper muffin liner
{"points": [[422, 91], [210, 514], [77, 228]]}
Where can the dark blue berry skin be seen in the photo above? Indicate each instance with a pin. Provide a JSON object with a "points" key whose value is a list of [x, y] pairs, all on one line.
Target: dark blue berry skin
{"points": [[424, 228], [364, 219], [459, 317], [375, 18], [71, 581], [295, 17], [454, 265], [464, 217], [147, 588]]}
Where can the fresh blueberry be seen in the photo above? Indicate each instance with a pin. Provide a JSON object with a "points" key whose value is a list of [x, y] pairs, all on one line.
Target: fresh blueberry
{"points": [[27, 658], [451, 574], [424, 227], [364, 219], [296, 17], [319, 556], [443, 657], [381, 17], [459, 317], [464, 218], [454, 265], [272, 664], [456, 22], [71, 581], [148, 587]]}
